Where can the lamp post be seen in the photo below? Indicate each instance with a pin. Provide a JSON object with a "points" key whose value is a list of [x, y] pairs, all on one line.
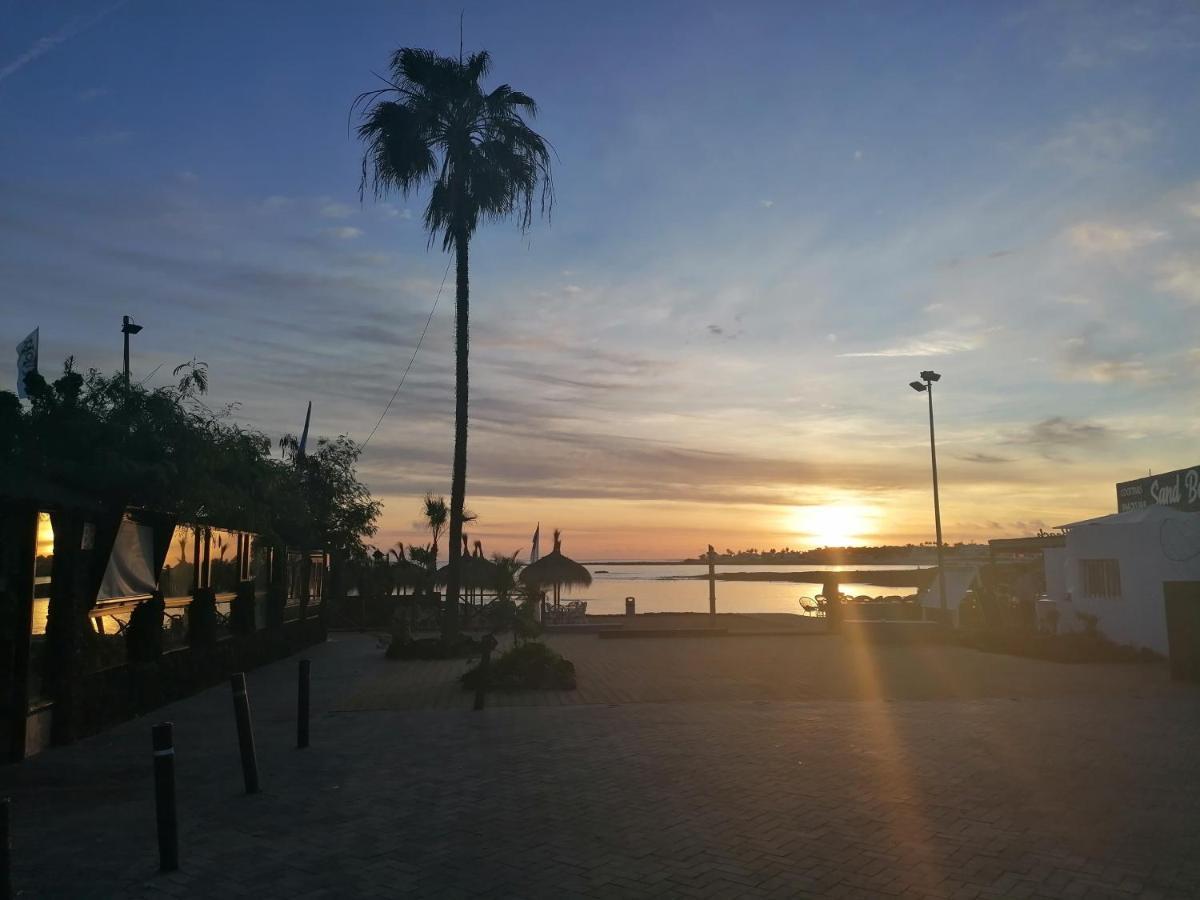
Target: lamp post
{"points": [[925, 385], [128, 327]]}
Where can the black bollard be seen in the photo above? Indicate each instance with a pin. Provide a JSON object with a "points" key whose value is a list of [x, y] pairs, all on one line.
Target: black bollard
{"points": [[241, 710], [163, 740], [302, 705], [488, 643]]}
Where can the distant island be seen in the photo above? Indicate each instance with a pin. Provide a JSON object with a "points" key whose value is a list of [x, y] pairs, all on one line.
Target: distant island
{"points": [[884, 555]]}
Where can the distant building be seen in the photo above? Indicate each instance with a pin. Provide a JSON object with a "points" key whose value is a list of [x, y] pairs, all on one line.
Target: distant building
{"points": [[1114, 567], [1120, 568]]}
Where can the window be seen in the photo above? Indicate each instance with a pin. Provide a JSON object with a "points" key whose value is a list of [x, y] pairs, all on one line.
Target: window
{"points": [[1101, 578]]}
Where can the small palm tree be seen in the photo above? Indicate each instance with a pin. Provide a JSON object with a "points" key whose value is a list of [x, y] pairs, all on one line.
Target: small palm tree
{"points": [[434, 124], [436, 514]]}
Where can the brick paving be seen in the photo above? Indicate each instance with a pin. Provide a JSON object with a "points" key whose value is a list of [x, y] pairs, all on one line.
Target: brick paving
{"points": [[740, 767]]}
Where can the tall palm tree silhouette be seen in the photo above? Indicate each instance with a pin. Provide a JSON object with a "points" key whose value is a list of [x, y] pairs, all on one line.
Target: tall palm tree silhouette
{"points": [[433, 123]]}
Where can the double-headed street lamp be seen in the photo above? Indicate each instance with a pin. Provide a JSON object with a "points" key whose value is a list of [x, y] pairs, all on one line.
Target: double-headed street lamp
{"points": [[128, 327], [925, 385]]}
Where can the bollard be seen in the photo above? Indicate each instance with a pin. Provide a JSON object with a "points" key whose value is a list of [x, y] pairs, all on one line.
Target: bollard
{"points": [[302, 705], [163, 741], [630, 606], [241, 710], [488, 643]]}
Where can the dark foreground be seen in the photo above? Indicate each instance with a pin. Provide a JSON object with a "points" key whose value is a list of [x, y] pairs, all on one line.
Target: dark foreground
{"points": [[765, 766]]}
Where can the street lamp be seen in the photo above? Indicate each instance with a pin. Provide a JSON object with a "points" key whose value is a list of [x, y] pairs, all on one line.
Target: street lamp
{"points": [[925, 385], [128, 327]]}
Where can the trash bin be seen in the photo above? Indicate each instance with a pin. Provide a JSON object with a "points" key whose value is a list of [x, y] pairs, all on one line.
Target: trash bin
{"points": [[630, 606]]}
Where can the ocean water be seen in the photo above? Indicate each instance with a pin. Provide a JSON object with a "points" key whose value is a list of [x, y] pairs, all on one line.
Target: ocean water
{"points": [[667, 588]]}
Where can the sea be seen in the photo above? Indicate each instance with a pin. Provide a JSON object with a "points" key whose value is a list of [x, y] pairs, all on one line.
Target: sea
{"points": [[672, 588]]}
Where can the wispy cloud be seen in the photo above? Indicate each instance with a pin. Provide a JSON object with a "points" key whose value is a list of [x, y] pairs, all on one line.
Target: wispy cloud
{"points": [[1097, 140], [1086, 357], [44, 45], [344, 232], [1181, 277], [1056, 435], [1099, 238], [936, 343]]}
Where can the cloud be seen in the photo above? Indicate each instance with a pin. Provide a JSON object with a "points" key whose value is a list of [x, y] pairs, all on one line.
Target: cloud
{"points": [[1097, 238], [1084, 359], [92, 93], [985, 458], [44, 45], [1096, 141], [337, 211], [274, 203], [573, 289], [1181, 277], [936, 343], [1055, 435], [766, 204], [344, 232]]}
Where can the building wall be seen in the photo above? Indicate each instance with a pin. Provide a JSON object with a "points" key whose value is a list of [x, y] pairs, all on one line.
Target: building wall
{"points": [[1054, 562], [1138, 617]]}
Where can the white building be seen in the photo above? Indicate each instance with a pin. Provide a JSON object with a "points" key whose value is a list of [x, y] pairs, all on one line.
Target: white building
{"points": [[1113, 567]]}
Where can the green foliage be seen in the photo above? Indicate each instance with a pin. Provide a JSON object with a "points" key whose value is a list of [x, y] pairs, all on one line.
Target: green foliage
{"points": [[144, 634], [167, 451], [434, 124], [338, 511], [528, 666]]}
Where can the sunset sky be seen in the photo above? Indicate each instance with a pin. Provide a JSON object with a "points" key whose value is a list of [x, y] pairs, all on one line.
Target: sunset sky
{"points": [[770, 217]]}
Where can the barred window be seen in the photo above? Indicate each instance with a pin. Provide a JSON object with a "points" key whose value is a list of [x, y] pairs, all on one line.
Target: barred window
{"points": [[1101, 578]]}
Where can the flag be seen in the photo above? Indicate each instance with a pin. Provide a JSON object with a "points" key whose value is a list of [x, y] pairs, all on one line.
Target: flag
{"points": [[534, 553], [304, 434], [27, 360]]}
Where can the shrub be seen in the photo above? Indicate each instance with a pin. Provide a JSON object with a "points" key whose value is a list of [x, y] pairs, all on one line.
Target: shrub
{"points": [[528, 666], [144, 634]]}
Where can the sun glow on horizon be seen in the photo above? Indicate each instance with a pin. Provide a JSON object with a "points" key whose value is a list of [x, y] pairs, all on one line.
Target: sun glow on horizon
{"points": [[832, 524]]}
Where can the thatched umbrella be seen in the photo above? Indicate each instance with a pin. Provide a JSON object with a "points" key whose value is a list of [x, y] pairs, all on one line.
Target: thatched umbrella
{"points": [[556, 569], [405, 573], [477, 572]]}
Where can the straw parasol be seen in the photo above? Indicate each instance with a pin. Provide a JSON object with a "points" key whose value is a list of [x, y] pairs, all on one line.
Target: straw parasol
{"points": [[556, 569], [478, 572], [405, 573]]}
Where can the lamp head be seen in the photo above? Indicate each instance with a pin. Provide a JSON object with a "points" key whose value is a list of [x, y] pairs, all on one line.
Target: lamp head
{"points": [[916, 385], [930, 375], [128, 326]]}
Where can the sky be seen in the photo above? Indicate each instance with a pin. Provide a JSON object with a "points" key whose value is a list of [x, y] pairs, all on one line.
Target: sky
{"points": [[769, 218]]}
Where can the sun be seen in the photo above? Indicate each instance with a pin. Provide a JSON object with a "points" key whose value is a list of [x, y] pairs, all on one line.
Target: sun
{"points": [[831, 525]]}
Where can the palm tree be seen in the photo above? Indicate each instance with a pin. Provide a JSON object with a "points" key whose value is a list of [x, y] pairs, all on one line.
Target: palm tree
{"points": [[433, 123], [436, 514]]}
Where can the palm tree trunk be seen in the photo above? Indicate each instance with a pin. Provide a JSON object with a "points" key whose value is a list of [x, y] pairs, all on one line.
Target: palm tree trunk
{"points": [[458, 487]]}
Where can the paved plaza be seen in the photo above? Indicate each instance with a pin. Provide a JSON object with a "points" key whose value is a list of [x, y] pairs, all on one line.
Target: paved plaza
{"points": [[727, 767]]}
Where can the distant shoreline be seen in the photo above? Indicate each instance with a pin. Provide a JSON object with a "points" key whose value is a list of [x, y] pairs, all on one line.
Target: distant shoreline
{"points": [[762, 564]]}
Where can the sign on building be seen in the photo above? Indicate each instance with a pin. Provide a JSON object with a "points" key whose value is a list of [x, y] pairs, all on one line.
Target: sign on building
{"points": [[1179, 490]]}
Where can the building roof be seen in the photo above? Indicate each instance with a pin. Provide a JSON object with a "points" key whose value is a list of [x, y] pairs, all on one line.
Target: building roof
{"points": [[1152, 513], [1027, 544]]}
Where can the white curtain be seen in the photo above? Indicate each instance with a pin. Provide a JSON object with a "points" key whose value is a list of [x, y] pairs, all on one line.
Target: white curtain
{"points": [[130, 571]]}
